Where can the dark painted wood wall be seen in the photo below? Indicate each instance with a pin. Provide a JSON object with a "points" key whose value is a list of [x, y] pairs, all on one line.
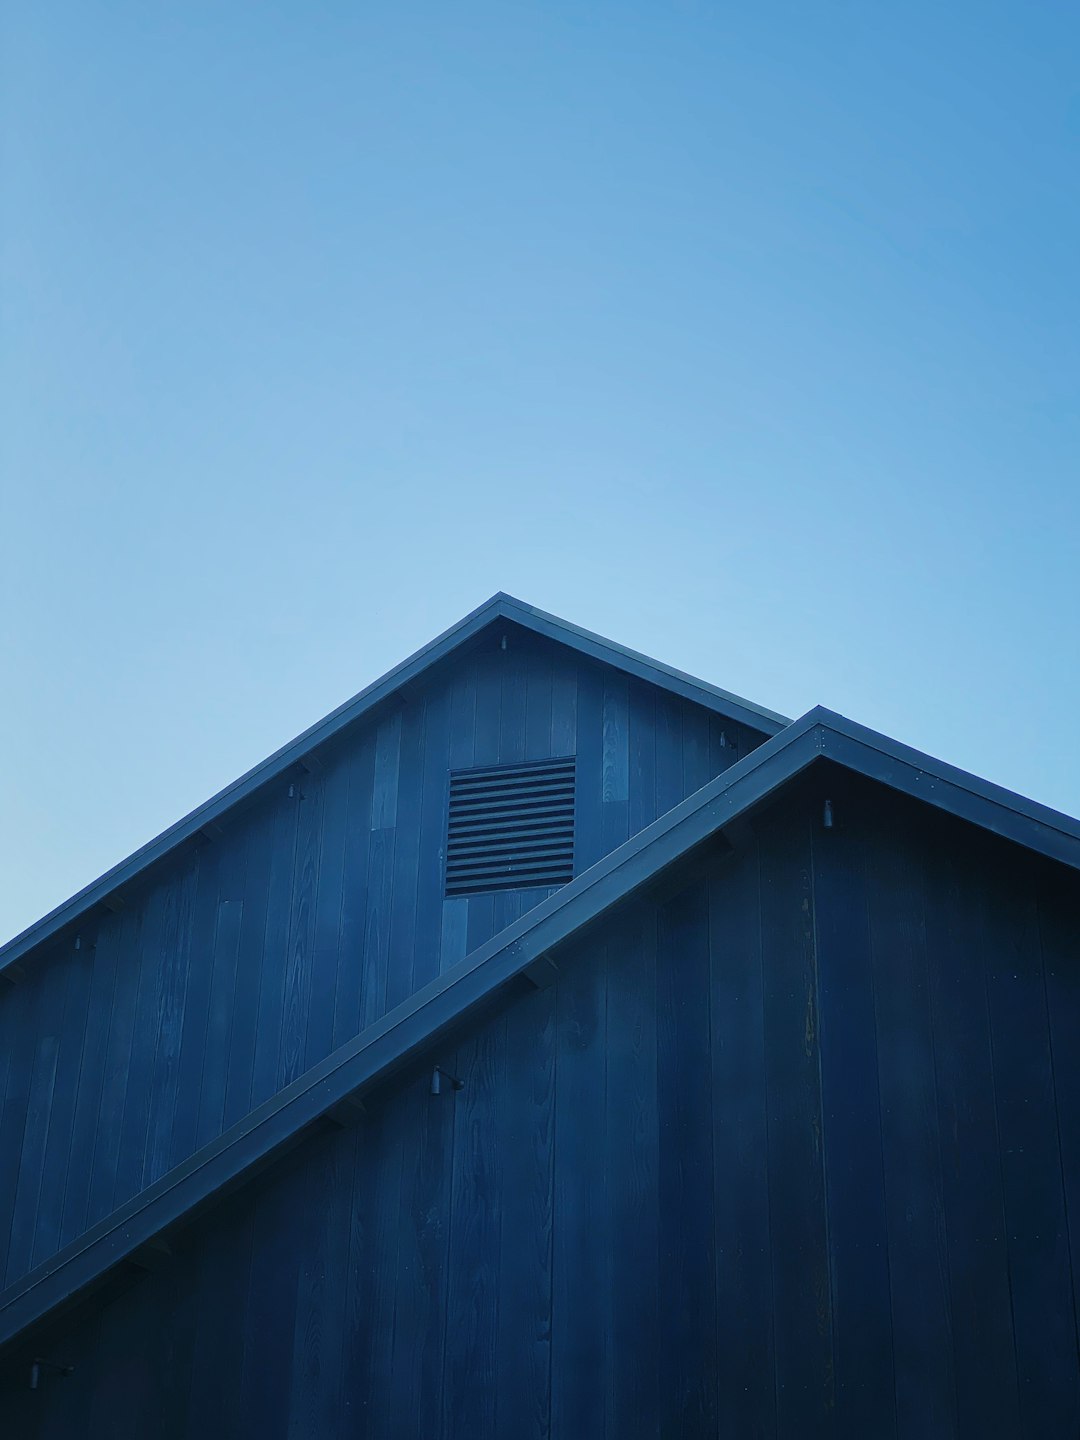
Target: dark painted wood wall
{"points": [[243, 961], [790, 1153]]}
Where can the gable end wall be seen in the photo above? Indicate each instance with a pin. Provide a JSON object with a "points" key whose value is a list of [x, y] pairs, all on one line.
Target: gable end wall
{"points": [[242, 961]]}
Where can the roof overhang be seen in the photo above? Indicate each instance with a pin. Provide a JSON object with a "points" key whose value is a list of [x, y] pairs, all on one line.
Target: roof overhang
{"points": [[402, 1034]]}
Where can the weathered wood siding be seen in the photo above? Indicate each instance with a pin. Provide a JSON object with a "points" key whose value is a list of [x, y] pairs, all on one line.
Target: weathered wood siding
{"points": [[243, 961], [790, 1153]]}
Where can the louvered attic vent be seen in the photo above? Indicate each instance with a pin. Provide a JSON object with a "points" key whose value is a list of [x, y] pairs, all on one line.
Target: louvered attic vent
{"points": [[511, 827]]}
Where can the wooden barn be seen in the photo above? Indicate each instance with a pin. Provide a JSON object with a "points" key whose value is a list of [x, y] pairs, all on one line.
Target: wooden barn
{"points": [[547, 1043]]}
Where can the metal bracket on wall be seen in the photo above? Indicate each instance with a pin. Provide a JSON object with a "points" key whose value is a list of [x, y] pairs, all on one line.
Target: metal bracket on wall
{"points": [[438, 1075], [41, 1367]]}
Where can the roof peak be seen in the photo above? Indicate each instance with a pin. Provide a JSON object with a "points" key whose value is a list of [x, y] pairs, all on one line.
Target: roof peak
{"points": [[500, 606]]}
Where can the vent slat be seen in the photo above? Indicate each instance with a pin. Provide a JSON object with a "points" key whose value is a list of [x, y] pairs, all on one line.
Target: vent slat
{"points": [[501, 840], [523, 805], [527, 771], [492, 783], [510, 854], [511, 827], [514, 826], [555, 820], [522, 876], [502, 804], [478, 865], [552, 794]]}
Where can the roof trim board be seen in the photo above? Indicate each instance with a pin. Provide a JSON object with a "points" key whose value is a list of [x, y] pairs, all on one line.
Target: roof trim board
{"points": [[405, 1031], [499, 607], [634, 663]]}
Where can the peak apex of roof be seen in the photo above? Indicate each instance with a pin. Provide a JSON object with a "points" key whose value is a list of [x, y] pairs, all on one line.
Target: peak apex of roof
{"points": [[500, 605]]}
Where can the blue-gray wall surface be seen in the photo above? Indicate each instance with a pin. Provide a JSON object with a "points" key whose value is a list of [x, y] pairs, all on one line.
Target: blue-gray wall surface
{"points": [[789, 1151], [240, 962]]}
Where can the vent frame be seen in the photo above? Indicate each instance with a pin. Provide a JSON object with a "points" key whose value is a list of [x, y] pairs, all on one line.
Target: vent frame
{"points": [[510, 827]]}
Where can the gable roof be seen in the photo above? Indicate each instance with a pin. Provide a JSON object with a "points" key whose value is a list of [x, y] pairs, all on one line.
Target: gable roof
{"points": [[521, 949], [499, 608]]}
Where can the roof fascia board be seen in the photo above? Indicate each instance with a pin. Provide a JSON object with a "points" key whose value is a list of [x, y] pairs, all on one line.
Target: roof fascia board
{"points": [[992, 807], [500, 606], [447, 1001], [645, 668]]}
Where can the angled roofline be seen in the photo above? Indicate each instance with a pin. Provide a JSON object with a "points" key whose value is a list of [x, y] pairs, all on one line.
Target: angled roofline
{"points": [[499, 607], [734, 707], [521, 949]]}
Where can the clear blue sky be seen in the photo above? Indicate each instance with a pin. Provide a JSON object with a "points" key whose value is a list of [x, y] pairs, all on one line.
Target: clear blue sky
{"points": [[747, 335]]}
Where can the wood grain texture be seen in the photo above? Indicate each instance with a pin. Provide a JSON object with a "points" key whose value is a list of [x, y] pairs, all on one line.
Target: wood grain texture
{"points": [[285, 819], [579, 1307], [372, 1283], [984, 1351], [265, 1380], [78, 1156], [173, 963], [126, 1382], [200, 980], [414, 1381], [296, 990], [24, 1186], [424, 961], [1040, 1281], [406, 873], [632, 1163], [857, 1226], [121, 1022], [746, 1392], [318, 1328], [915, 1207], [226, 949], [687, 1347], [360, 778], [1058, 904], [470, 1363], [138, 1078], [221, 1279], [47, 1221], [802, 1293], [243, 1025], [317, 1013], [525, 1139]]}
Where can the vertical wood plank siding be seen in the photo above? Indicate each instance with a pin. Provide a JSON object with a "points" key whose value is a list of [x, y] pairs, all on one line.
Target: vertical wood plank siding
{"points": [[244, 961], [789, 1153]]}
